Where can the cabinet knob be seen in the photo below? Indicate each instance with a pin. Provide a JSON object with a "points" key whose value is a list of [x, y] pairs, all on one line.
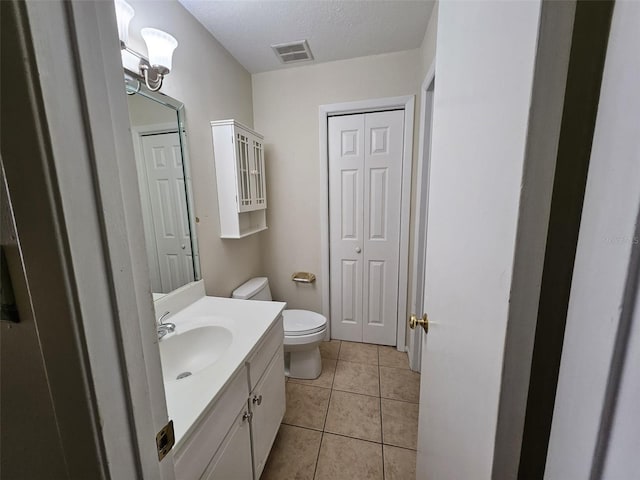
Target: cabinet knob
{"points": [[257, 399], [247, 416], [183, 247], [358, 249]]}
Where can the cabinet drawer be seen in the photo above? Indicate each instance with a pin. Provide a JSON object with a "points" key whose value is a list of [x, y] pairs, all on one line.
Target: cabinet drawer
{"points": [[194, 455], [258, 362]]}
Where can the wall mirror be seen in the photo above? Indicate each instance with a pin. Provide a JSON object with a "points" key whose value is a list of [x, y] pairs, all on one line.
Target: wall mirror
{"points": [[159, 143]]}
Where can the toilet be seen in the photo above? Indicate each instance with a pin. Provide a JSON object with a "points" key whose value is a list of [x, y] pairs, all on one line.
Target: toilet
{"points": [[303, 332]]}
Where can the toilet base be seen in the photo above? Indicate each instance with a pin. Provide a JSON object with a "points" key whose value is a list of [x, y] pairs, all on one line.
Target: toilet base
{"points": [[303, 364]]}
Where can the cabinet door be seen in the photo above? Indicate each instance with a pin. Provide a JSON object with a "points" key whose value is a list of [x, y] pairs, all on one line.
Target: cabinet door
{"points": [[233, 459], [243, 171], [267, 403], [259, 186]]}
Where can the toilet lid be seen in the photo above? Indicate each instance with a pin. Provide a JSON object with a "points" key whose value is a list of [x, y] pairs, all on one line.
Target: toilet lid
{"points": [[302, 322]]}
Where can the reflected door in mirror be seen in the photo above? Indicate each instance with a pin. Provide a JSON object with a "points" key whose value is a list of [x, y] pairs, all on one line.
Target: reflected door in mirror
{"points": [[168, 211]]}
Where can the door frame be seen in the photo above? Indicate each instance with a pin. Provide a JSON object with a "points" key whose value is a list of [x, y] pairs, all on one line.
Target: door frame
{"points": [[420, 219], [109, 332], [407, 103]]}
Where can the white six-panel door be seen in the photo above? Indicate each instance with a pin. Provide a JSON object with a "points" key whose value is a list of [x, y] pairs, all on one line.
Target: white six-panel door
{"points": [[365, 178], [163, 163]]}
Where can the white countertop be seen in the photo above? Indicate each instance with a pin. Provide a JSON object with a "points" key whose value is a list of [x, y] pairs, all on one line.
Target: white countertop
{"points": [[248, 321]]}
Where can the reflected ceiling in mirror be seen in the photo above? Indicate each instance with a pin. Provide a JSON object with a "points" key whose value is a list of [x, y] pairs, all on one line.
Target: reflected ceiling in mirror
{"points": [[159, 144]]}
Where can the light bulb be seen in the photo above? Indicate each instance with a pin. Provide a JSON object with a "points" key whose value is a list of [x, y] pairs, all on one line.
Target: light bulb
{"points": [[160, 46], [124, 14]]}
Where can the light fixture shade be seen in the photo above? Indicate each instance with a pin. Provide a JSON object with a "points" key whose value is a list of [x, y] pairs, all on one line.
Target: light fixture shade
{"points": [[124, 14], [160, 47]]}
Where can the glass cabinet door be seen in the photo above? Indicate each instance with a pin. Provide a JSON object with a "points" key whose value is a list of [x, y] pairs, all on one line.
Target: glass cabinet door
{"points": [[259, 190], [243, 169]]}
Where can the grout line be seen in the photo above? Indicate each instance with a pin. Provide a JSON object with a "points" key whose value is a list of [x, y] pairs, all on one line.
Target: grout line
{"points": [[402, 401], [381, 424], [359, 439], [315, 470], [348, 436], [326, 413], [301, 426], [361, 363], [401, 368], [398, 446]]}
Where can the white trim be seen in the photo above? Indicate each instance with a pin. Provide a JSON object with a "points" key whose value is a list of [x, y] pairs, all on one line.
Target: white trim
{"points": [[88, 217], [155, 128], [420, 222], [406, 103]]}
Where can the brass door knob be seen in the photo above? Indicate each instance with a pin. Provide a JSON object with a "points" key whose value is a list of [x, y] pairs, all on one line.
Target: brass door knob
{"points": [[415, 321]]}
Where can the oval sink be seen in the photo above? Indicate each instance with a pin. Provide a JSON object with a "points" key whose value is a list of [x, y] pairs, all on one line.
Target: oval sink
{"points": [[188, 353]]}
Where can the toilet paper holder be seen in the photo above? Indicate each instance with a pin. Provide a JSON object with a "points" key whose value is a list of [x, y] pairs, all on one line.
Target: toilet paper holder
{"points": [[303, 277]]}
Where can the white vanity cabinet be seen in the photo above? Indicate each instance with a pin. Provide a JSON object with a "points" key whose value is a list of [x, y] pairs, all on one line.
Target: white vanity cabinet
{"points": [[233, 459], [233, 439], [240, 175], [267, 405]]}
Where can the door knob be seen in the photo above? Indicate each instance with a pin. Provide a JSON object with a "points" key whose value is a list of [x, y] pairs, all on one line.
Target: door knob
{"points": [[358, 249], [415, 321]]}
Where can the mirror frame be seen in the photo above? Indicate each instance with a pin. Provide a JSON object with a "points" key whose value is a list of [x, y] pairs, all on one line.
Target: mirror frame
{"points": [[134, 86]]}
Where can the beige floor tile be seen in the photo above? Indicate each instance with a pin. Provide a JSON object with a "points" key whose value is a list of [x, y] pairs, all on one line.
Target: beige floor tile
{"points": [[354, 415], [343, 458], [399, 423], [325, 380], [306, 405], [330, 349], [399, 463], [359, 352], [293, 455], [399, 384], [391, 357], [357, 378]]}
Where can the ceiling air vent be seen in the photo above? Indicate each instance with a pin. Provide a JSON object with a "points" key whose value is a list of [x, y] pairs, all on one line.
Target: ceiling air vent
{"points": [[293, 52]]}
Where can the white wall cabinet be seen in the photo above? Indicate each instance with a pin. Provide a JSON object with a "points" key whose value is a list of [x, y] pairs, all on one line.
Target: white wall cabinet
{"points": [[233, 441], [240, 175]]}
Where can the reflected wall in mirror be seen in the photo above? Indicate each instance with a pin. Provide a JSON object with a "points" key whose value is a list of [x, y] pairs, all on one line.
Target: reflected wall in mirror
{"points": [[159, 145]]}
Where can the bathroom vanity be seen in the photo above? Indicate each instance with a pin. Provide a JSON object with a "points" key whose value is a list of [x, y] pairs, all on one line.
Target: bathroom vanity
{"points": [[223, 372]]}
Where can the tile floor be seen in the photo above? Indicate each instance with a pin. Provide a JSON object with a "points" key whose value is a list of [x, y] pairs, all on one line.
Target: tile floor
{"points": [[358, 420]]}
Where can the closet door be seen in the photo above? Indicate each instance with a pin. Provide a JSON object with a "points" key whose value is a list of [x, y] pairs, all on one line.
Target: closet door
{"points": [[384, 141], [346, 224], [365, 181]]}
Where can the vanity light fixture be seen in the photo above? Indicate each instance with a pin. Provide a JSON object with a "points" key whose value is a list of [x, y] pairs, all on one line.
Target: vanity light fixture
{"points": [[160, 46]]}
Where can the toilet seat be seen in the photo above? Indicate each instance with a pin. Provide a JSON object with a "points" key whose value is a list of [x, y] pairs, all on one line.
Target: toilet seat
{"points": [[302, 322]]}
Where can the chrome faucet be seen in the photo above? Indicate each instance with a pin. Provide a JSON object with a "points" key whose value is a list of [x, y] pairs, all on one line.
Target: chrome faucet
{"points": [[165, 328]]}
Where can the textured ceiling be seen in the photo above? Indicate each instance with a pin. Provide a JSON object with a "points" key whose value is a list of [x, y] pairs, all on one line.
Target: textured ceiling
{"points": [[335, 29]]}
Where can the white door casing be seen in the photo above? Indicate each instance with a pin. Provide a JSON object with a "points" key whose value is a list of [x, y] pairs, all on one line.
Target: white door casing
{"points": [[365, 181], [594, 432], [420, 215], [165, 176]]}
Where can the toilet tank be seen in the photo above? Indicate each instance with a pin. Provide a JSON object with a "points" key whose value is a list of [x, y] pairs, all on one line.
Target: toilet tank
{"points": [[255, 289]]}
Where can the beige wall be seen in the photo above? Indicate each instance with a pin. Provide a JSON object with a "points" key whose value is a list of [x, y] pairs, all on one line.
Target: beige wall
{"points": [[213, 86], [285, 104]]}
